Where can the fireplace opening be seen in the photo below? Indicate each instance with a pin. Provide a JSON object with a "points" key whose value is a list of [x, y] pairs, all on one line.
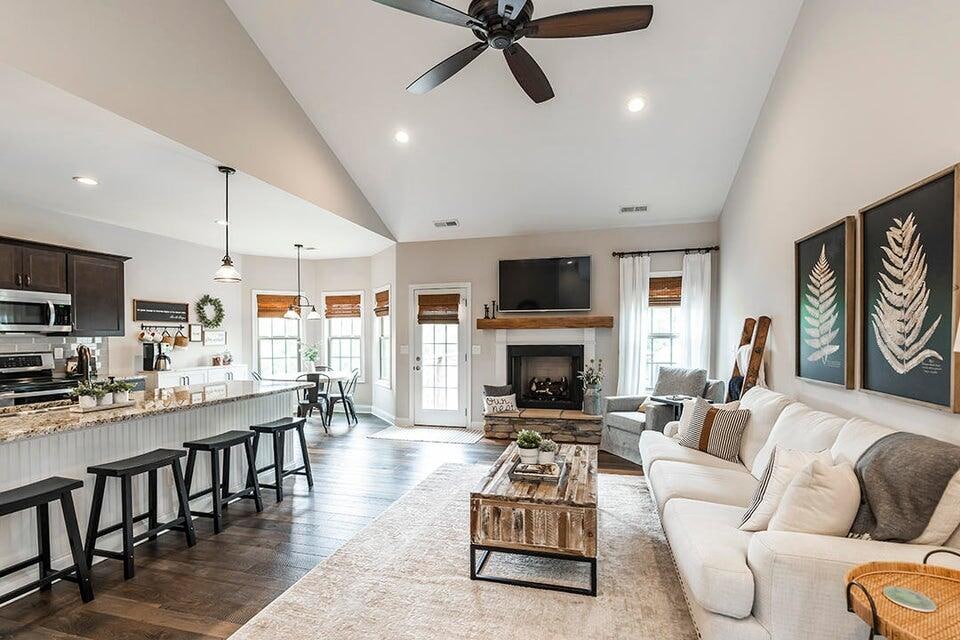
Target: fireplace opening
{"points": [[545, 376]]}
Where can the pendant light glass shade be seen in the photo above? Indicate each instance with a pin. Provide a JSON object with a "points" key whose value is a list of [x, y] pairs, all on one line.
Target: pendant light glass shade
{"points": [[314, 314], [227, 272], [291, 313]]}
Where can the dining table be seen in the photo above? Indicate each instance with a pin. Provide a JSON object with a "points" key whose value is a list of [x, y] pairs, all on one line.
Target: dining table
{"points": [[340, 377]]}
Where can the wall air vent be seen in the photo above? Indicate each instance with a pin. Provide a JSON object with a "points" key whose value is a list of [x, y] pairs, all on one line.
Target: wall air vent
{"points": [[446, 224], [635, 208]]}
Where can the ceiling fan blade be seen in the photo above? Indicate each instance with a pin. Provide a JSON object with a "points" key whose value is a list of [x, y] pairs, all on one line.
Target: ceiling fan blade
{"points": [[447, 69], [591, 22], [436, 11], [528, 73]]}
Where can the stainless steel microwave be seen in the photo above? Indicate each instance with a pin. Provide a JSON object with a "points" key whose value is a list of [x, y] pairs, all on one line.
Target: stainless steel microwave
{"points": [[35, 312]]}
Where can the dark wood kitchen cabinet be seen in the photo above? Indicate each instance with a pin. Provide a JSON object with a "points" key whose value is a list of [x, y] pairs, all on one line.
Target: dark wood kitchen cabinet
{"points": [[99, 303], [35, 268]]}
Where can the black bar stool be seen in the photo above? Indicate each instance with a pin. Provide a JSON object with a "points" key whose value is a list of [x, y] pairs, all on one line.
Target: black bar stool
{"points": [[277, 430], [220, 482], [40, 495], [125, 470]]}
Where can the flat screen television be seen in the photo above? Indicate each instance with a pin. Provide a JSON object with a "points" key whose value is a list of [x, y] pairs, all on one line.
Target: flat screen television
{"points": [[545, 284]]}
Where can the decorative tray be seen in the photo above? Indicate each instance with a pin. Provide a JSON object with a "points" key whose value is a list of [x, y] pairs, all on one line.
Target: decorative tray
{"points": [[105, 407], [538, 472]]}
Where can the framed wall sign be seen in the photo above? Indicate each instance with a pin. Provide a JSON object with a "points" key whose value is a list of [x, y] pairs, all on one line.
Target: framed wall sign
{"points": [[196, 333], [825, 308], [162, 312], [908, 312], [214, 337]]}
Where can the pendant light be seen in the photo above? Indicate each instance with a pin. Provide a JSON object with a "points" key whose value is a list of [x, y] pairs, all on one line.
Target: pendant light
{"points": [[301, 302], [227, 272]]}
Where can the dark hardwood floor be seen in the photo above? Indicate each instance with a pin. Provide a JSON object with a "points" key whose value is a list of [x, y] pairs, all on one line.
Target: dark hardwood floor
{"points": [[210, 590]]}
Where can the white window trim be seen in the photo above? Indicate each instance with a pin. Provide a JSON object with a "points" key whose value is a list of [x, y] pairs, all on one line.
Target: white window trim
{"points": [[657, 274], [324, 356], [254, 329], [385, 384]]}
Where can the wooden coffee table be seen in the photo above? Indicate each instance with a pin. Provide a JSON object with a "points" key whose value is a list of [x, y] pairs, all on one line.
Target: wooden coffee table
{"points": [[550, 520]]}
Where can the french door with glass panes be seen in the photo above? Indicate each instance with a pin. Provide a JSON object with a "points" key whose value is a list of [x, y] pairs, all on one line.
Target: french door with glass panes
{"points": [[440, 365]]}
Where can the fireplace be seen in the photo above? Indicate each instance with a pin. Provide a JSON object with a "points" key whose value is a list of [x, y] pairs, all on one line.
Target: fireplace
{"points": [[544, 376]]}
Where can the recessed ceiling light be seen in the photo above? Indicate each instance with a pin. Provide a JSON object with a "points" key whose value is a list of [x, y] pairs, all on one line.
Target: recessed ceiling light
{"points": [[90, 182], [402, 136], [636, 105], [222, 222]]}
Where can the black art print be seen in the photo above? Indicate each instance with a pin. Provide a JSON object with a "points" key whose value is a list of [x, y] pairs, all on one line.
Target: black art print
{"points": [[822, 305], [907, 293]]}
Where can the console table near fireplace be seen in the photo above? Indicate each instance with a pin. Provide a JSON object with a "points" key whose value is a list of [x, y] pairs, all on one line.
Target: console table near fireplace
{"points": [[560, 425]]}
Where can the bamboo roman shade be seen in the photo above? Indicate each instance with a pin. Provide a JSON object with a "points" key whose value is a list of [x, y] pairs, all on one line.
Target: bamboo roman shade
{"points": [[383, 303], [438, 308], [347, 306], [273, 306], [665, 292]]}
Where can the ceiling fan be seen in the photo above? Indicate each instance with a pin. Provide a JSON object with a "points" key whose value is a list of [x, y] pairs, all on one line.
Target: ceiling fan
{"points": [[502, 23]]}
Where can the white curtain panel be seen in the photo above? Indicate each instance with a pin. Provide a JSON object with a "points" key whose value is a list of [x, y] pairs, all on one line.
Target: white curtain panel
{"points": [[695, 311], [634, 298]]}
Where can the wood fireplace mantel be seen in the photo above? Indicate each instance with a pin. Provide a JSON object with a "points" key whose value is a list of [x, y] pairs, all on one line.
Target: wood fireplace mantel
{"points": [[546, 322]]}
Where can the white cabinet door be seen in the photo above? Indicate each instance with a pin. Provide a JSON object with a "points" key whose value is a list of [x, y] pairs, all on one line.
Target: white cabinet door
{"points": [[194, 377], [218, 375], [169, 379], [239, 372]]}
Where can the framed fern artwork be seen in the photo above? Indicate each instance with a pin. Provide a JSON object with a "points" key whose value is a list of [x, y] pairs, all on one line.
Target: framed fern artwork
{"points": [[908, 312], [826, 281]]}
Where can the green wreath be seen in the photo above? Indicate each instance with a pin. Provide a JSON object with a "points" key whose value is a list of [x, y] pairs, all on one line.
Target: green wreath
{"points": [[209, 301]]}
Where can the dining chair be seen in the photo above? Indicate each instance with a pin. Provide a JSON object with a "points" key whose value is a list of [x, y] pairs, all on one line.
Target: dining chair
{"points": [[315, 397], [350, 408]]}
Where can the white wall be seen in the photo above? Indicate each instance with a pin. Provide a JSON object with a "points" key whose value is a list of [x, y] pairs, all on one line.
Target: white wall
{"points": [[161, 268], [866, 101], [475, 261]]}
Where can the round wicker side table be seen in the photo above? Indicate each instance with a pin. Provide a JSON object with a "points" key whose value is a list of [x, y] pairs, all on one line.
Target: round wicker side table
{"points": [[865, 598]]}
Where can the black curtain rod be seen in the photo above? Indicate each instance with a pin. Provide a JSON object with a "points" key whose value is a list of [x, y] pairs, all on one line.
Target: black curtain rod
{"points": [[620, 254]]}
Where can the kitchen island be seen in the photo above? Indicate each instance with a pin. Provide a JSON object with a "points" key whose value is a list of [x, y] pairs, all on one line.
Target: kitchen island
{"points": [[38, 442]]}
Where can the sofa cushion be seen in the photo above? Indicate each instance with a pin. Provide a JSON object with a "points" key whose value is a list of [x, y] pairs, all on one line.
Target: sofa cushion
{"points": [[855, 437], [655, 446], [670, 480], [632, 421], [678, 380], [711, 554], [765, 407], [799, 427]]}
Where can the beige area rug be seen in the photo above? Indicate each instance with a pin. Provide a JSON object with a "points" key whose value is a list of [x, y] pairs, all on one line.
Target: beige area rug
{"points": [[407, 576], [429, 434]]}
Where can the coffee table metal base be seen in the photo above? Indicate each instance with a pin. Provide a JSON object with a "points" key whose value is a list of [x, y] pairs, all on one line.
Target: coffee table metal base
{"points": [[477, 567]]}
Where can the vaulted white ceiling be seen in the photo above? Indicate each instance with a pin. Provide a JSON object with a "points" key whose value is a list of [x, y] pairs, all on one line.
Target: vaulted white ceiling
{"points": [[482, 152]]}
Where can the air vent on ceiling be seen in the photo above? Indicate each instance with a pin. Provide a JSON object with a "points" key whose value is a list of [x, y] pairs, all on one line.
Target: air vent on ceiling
{"points": [[636, 208], [445, 224]]}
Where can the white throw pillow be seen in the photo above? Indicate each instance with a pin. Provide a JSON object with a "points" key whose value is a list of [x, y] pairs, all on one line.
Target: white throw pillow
{"points": [[686, 415], [822, 499], [499, 404], [784, 466]]}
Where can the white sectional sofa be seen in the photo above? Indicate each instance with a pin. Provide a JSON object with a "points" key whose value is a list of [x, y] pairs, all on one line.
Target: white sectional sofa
{"points": [[769, 585]]}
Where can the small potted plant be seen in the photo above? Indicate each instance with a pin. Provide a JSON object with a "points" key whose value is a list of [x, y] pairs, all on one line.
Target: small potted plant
{"points": [[528, 442], [121, 390], [592, 377], [548, 452], [101, 390], [311, 355], [86, 395]]}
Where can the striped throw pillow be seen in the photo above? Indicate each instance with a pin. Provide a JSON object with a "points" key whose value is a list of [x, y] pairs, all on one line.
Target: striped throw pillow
{"points": [[714, 430]]}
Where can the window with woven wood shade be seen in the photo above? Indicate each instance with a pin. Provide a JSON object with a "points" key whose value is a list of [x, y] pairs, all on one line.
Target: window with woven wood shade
{"points": [[382, 307], [665, 292], [438, 308], [273, 306], [347, 306]]}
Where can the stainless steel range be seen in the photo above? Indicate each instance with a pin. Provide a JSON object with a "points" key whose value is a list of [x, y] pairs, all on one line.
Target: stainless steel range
{"points": [[26, 378]]}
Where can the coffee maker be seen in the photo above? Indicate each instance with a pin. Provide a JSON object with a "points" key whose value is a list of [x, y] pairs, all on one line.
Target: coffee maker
{"points": [[154, 359]]}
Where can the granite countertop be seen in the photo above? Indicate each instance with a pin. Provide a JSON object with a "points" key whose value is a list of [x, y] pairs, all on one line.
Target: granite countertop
{"points": [[35, 421]]}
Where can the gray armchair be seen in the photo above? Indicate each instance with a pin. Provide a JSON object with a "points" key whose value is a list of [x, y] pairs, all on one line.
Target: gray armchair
{"points": [[623, 422]]}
